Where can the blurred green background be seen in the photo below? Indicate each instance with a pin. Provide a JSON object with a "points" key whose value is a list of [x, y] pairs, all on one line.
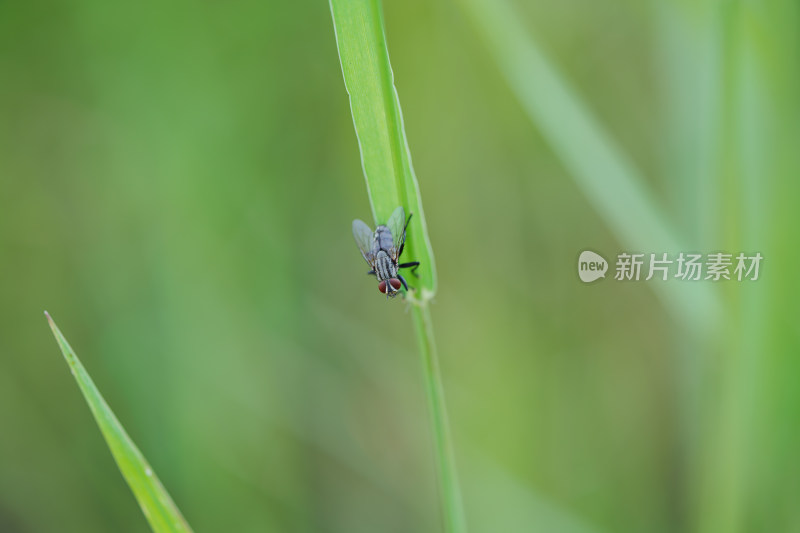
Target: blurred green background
{"points": [[178, 181]]}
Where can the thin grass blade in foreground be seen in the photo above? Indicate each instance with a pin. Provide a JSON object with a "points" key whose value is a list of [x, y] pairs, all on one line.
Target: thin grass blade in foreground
{"points": [[391, 182], [156, 504]]}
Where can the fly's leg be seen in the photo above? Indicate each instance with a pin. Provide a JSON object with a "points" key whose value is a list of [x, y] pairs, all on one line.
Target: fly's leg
{"points": [[407, 221], [403, 244], [414, 265], [403, 281], [372, 273]]}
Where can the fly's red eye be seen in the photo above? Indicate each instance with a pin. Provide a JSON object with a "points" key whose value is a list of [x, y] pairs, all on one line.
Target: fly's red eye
{"points": [[395, 283], [382, 287]]}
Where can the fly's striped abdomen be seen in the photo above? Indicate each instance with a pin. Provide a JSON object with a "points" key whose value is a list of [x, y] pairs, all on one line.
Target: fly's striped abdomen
{"points": [[385, 268]]}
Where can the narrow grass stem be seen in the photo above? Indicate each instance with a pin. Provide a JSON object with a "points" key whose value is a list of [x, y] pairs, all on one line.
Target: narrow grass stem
{"points": [[450, 493]]}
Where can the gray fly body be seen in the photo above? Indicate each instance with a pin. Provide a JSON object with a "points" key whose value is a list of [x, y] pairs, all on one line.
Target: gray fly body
{"points": [[382, 248]]}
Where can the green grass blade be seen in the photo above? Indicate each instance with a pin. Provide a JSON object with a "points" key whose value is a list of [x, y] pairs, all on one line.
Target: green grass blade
{"points": [[391, 182], [156, 504], [378, 121], [607, 177], [445, 460]]}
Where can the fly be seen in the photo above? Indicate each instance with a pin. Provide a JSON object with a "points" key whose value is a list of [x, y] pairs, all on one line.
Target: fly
{"points": [[382, 248]]}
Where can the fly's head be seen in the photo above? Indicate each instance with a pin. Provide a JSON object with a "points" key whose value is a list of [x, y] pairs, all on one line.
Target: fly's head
{"points": [[390, 287]]}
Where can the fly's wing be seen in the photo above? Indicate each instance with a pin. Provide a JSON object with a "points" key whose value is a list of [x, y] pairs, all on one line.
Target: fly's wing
{"points": [[396, 225], [364, 239]]}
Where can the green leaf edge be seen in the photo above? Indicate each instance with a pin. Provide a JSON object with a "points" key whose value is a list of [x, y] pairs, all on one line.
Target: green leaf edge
{"points": [[154, 500], [388, 185]]}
